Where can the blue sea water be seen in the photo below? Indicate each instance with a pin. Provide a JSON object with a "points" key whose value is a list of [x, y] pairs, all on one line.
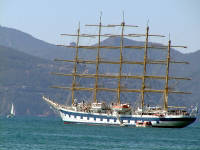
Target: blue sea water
{"points": [[51, 133]]}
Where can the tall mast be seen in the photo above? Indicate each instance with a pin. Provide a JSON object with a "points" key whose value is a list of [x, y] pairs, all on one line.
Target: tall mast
{"points": [[75, 64], [97, 63], [120, 61], [145, 65], [167, 77]]}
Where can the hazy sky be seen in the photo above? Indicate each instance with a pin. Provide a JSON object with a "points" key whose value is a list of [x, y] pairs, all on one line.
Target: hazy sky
{"points": [[46, 19]]}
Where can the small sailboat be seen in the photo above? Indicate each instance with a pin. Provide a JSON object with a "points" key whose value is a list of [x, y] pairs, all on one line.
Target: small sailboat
{"points": [[12, 112]]}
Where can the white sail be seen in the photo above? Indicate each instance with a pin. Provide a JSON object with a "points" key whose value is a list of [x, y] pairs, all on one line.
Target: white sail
{"points": [[12, 111]]}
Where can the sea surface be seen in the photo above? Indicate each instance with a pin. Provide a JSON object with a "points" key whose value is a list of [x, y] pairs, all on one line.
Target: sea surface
{"points": [[35, 133]]}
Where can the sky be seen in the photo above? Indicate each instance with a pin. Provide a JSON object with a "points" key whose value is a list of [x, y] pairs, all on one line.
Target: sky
{"points": [[47, 19]]}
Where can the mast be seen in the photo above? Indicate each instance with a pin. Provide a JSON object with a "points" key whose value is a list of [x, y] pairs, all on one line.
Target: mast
{"points": [[145, 65], [75, 65], [166, 91], [97, 64], [120, 61]]}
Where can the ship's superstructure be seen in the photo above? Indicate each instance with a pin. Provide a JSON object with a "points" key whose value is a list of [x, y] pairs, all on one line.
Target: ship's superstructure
{"points": [[118, 113]]}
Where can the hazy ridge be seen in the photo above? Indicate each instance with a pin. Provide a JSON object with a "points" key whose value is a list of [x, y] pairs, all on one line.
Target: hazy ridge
{"points": [[26, 65]]}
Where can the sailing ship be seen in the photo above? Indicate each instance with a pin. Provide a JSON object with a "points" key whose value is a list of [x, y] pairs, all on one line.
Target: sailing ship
{"points": [[97, 112], [12, 112]]}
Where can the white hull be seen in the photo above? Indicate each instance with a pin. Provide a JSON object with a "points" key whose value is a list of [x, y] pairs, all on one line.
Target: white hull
{"points": [[69, 116]]}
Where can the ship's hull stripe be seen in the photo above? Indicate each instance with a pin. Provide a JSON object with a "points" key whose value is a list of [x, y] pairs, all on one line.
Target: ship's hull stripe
{"points": [[128, 125]]}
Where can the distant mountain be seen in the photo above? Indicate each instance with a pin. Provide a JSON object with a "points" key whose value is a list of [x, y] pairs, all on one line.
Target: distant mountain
{"points": [[25, 68], [24, 79], [28, 44]]}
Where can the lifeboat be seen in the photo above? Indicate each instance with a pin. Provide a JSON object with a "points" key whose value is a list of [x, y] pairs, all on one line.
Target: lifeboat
{"points": [[121, 107], [159, 115], [143, 124]]}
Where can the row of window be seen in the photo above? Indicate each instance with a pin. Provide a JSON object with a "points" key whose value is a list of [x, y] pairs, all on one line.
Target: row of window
{"points": [[95, 118]]}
